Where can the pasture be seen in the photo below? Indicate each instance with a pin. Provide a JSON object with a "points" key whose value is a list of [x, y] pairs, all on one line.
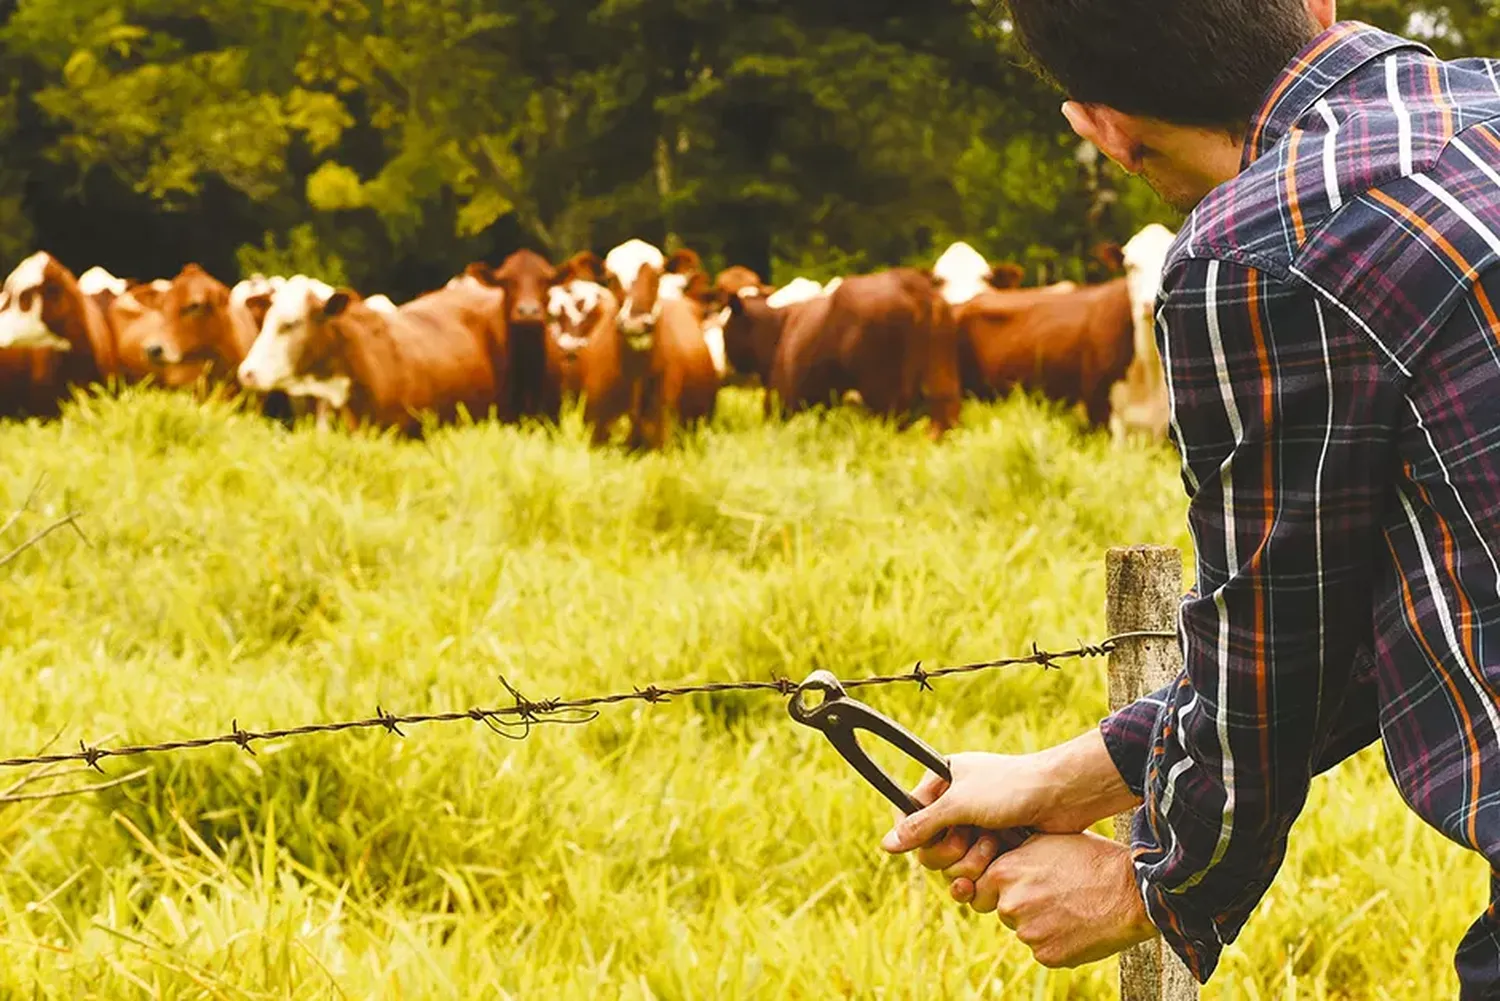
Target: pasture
{"points": [[705, 849]]}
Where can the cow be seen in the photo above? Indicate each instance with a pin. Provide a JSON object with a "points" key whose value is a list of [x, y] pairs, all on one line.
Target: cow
{"points": [[432, 356], [533, 389], [647, 360], [202, 334], [754, 326], [53, 338], [1139, 403], [890, 337], [731, 284], [1072, 346]]}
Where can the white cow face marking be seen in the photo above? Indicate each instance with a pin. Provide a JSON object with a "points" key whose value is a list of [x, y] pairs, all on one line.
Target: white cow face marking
{"points": [[381, 304], [963, 272], [624, 265], [21, 301], [1145, 256], [276, 358], [568, 308], [626, 260]]}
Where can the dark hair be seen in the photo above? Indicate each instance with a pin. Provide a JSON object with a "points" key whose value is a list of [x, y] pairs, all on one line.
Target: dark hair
{"points": [[1189, 62]]}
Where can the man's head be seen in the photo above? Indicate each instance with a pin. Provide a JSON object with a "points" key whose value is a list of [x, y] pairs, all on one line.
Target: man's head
{"points": [[1166, 88]]}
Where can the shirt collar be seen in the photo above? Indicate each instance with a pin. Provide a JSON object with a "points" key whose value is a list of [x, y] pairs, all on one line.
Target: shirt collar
{"points": [[1316, 70]]}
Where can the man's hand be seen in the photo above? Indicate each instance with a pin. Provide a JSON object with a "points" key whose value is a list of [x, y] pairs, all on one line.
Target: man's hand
{"points": [[1071, 898], [1062, 790]]}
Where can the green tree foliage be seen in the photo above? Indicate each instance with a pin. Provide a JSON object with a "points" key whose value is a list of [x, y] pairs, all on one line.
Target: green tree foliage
{"points": [[388, 142]]}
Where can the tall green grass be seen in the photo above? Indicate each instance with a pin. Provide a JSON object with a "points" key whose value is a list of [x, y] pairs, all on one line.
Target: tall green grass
{"points": [[707, 848]]}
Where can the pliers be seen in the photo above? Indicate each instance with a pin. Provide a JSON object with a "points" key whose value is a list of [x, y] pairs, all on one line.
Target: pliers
{"points": [[838, 716]]}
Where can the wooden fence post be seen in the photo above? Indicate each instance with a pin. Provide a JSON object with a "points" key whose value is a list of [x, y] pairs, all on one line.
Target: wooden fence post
{"points": [[1144, 589]]}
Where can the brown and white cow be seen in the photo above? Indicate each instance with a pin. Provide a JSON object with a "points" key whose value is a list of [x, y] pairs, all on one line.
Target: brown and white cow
{"points": [[53, 338], [433, 356], [656, 375], [889, 337]]}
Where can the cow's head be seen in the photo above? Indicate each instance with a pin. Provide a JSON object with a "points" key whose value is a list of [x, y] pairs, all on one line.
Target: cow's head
{"points": [[195, 331], [300, 335], [633, 272], [525, 277], [137, 320], [39, 305], [1142, 259]]}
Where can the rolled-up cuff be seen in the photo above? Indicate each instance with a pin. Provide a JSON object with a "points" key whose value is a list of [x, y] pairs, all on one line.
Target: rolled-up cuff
{"points": [[1127, 736], [1192, 936]]}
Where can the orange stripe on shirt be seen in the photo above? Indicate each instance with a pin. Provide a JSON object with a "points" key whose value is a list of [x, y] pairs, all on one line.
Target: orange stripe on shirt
{"points": [[1441, 242], [1294, 204], [1261, 627]]}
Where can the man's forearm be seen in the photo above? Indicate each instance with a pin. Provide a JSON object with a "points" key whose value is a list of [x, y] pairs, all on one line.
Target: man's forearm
{"points": [[1082, 786]]}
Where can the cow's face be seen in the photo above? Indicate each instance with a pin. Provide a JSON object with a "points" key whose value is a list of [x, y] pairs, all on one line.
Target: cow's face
{"points": [[526, 278], [640, 306], [137, 320], [195, 321], [299, 334], [1143, 259], [573, 310], [35, 307]]}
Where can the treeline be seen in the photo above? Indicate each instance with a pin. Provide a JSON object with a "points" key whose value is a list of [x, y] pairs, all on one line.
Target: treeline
{"points": [[386, 143]]}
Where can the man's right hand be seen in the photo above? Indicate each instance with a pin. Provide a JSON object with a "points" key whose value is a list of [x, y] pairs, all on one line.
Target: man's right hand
{"points": [[1062, 790]]}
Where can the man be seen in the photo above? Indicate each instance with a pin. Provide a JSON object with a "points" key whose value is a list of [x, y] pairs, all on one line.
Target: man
{"points": [[1330, 326]]}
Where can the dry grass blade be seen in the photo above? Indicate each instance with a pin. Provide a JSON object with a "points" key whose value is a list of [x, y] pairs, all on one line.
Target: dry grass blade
{"points": [[29, 797], [68, 521]]}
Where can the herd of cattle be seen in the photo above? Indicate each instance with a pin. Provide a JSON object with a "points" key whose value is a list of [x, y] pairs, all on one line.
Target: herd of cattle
{"points": [[639, 334]]}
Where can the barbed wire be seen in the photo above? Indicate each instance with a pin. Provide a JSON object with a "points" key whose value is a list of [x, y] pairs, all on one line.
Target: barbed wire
{"points": [[515, 721]]}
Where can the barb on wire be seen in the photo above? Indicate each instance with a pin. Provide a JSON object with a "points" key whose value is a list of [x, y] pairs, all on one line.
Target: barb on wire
{"points": [[516, 720]]}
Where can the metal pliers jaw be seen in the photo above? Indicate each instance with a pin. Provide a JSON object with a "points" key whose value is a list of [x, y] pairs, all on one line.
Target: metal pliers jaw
{"points": [[838, 716]]}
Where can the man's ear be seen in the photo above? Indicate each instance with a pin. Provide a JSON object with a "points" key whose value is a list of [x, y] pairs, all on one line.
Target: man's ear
{"points": [[1109, 130], [1324, 12]]}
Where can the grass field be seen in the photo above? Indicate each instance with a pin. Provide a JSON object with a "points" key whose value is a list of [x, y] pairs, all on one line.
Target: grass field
{"points": [[709, 848]]}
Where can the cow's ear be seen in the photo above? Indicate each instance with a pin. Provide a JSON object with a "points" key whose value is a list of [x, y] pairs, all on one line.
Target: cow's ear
{"points": [[258, 303], [1006, 275], [684, 260], [1111, 255], [586, 266], [483, 274], [336, 304]]}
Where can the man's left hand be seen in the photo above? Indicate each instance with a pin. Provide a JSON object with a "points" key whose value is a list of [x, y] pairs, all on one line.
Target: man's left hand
{"points": [[1071, 898]]}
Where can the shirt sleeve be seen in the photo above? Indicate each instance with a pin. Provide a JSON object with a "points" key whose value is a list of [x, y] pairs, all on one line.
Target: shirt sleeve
{"points": [[1282, 416]]}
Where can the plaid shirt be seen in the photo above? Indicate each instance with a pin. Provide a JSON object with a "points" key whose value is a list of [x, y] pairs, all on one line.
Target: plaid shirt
{"points": [[1330, 329]]}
